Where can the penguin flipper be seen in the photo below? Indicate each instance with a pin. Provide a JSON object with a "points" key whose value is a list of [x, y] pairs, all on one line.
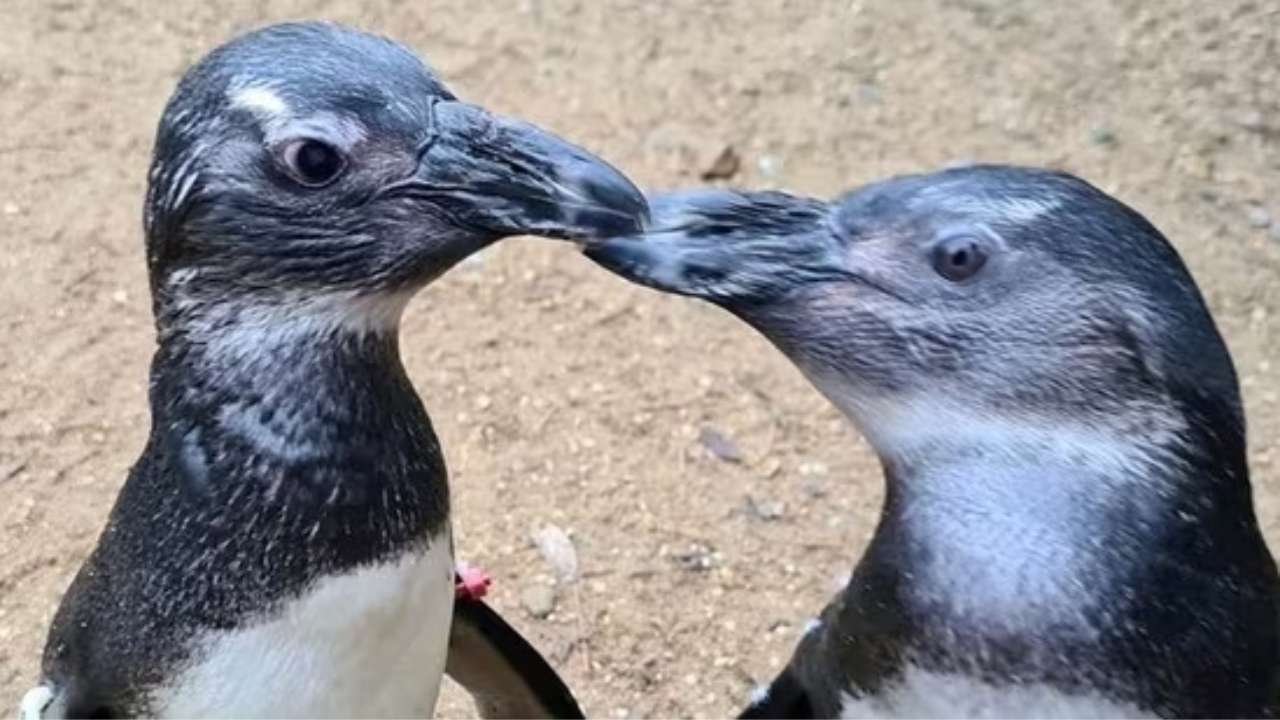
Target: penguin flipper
{"points": [[504, 674]]}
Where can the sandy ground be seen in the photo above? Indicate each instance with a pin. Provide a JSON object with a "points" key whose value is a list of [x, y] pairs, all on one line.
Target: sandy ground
{"points": [[565, 396]]}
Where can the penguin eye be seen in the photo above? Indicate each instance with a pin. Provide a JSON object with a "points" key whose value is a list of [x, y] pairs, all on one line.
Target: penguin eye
{"points": [[313, 163], [959, 257]]}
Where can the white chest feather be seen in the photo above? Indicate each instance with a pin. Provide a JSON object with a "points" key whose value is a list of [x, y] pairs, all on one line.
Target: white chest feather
{"points": [[922, 694], [367, 644]]}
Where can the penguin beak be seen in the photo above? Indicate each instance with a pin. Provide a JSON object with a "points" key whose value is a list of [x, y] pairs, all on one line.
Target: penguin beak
{"points": [[727, 247], [509, 177]]}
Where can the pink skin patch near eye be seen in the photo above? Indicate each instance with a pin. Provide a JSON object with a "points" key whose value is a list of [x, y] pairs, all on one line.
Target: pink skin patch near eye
{"points": [[472, 582]]}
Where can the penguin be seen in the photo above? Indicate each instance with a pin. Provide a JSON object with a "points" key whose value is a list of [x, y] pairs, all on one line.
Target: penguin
{"points": [[282, 546], [1068, 527]]}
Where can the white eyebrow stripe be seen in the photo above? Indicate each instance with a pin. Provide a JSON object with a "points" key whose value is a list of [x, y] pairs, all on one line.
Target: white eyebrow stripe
{"points": [[280, 122], [260, 100]]}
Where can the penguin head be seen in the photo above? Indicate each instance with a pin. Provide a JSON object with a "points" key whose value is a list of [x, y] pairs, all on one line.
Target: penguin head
{"points": [[981, 299], [308, 158]]}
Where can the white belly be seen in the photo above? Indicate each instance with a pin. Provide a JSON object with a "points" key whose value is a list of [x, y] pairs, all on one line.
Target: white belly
{"points": [[922, 694], [368, 644]]}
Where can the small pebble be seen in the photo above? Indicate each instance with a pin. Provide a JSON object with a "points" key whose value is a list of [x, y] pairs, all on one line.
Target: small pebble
{"points": [[557, 548], [870, 93], [1251, 120], [538, 600], [1103, 137], [1258, 217], [769, 166], [766, 510], [811, 469], [698, 558], [724, 166], [814, 489], [719, 445]]}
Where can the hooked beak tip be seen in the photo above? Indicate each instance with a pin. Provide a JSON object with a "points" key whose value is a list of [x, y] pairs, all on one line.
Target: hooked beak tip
{"points": [[600, 202]]}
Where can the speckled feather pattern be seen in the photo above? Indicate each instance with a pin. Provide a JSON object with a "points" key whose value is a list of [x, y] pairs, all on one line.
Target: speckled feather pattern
{"points": [[214, 527]]}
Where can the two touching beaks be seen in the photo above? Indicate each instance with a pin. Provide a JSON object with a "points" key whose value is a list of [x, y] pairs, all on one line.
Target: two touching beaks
{"points": [[702, 242], [724, 246]]}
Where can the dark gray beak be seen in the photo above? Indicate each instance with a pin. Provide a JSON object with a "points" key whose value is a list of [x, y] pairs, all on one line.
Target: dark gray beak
{"points": [[727, 247], [509, 177]]}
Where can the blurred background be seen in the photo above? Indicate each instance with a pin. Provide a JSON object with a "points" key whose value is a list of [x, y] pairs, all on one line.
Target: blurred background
{"points": [[712, 497]]}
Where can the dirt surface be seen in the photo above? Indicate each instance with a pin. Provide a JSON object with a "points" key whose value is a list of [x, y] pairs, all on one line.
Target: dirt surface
{"points": [[565, 396]]}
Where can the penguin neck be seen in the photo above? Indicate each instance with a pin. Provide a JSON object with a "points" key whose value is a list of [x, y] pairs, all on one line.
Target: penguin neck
{"points": [[250, 330], [1005, 544], [1017, 549], [300, 407], [310, 362], [1052, 507]]}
